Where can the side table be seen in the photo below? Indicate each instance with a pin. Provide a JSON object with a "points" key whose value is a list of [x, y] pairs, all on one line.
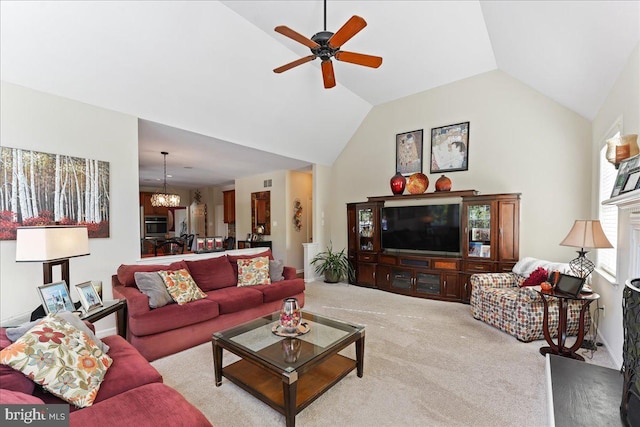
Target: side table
{"points": [[563, 303], [118, 306]]}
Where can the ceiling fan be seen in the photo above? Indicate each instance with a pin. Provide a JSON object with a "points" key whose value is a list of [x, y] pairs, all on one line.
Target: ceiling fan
{"points": [[326, 45]]}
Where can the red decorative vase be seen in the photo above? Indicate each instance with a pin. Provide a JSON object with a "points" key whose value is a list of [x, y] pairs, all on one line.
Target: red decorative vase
{"points": [[443, 184], [398, 183]]}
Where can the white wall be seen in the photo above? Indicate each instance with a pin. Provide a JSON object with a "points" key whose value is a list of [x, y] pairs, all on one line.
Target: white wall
{"points": [[622, 101], [299, 187], [37, 121], [520, 141]]}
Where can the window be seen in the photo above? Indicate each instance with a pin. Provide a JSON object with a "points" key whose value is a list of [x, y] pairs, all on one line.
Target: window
{"points": [[608, 214]]}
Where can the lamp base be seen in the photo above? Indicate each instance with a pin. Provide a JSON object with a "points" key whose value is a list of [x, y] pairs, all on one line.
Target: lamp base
{"points": [[582, 266]]}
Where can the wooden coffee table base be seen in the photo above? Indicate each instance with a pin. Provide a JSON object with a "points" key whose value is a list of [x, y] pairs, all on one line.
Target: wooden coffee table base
{"points": [[290, 392]]}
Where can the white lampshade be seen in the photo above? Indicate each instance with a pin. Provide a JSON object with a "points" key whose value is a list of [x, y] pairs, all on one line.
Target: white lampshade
{"points": [[586, 234], [50, 243]]}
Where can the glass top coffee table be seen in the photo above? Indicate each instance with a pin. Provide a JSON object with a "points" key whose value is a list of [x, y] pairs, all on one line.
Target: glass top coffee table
{"points": [[288, 373]]}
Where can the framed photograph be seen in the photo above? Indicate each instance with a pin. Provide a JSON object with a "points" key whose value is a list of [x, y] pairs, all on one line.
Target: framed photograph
{"points": [[475, 248], [632, 182], [55, 297], [485, 251], [625, 167], [201, 244], [218, 243], [89, 297], [450, 148], [409, 152], [209, 243], [481, 234]]}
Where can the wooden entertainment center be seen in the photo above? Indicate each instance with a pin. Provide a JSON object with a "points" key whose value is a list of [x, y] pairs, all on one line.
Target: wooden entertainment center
{"points": [[489, 243]]}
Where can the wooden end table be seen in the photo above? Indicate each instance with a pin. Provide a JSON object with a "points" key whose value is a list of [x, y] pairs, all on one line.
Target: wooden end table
{"points": [[288, 373], [563, 304]]}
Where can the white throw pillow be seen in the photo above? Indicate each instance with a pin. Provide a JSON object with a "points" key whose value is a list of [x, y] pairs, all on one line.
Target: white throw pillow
{"points": [[527, 265]]}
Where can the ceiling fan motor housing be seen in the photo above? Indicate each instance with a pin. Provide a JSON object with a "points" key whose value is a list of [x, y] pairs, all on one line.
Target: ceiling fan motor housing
{"points": [[325, 51]]}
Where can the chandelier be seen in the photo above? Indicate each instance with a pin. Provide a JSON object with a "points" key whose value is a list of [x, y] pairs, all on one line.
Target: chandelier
{"points": [[165, 199]]}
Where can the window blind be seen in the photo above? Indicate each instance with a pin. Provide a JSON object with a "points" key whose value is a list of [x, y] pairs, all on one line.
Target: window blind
{"points": [[608, 214]]}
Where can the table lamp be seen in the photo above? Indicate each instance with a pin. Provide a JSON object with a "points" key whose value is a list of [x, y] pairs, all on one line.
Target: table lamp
{"points": [[585, 234], [52, 245]]}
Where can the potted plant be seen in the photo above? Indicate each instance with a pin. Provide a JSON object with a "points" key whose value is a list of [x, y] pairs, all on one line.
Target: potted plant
{"points": [[334, 265]]}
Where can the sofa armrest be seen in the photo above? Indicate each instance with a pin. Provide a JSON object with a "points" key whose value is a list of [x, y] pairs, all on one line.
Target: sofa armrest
{"points": [[289, 273], [494, 280], [137, 302]]}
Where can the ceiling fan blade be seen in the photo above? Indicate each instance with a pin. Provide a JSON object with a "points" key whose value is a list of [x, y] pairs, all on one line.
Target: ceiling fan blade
{"points": [[348, 30], [359, 58], [286, 31], [295, 63], [327, 74]]}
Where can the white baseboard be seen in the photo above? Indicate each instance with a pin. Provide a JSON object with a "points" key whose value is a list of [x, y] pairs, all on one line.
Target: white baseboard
{"points": [[106, 332]]}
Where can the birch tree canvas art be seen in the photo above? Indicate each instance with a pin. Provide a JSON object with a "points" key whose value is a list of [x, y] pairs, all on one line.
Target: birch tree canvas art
{"points": [[44, 189]]}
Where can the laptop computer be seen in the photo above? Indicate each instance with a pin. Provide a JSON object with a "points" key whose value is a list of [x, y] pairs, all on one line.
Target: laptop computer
{"points": [[570, 285]]}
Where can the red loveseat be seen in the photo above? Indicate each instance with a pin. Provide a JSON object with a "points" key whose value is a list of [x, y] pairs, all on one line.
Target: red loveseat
{"points": [[132, 393], [172, 328]]}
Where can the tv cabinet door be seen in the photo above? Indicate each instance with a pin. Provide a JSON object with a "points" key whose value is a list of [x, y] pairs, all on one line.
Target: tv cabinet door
{"points": [[367, 222], [401, 280], [366, 274], [383, 277], [451, 286], [479, 223], [428, 283]]}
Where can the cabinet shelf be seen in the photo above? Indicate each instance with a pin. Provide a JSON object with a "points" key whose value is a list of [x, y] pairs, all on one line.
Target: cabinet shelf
{"points": [[462, 193]]}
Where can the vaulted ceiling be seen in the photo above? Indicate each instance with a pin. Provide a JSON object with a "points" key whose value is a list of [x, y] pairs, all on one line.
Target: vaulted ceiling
{"points": [[206, 66]]}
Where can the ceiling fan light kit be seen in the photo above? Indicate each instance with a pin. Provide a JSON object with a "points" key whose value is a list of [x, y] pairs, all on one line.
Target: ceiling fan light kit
{"points": [[165, 199], [326, 45]]}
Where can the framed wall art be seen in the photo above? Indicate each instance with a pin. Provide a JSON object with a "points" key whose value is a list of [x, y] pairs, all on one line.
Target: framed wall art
{"points": [[624, 168], [409, 152], [450, 148], [47, 189], [55, 297], [89, 297]]}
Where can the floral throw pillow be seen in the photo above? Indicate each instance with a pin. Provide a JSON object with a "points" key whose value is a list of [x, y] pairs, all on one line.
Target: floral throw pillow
{"points": [[61, 358], [181, 286], [253, 271]]}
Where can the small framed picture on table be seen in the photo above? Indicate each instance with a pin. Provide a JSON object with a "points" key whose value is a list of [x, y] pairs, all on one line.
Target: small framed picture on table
{"points": [[89, 297], [55, 297]]}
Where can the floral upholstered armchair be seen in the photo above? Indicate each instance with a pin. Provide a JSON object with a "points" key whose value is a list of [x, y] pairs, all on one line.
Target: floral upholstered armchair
{"points": [[500, 300]]}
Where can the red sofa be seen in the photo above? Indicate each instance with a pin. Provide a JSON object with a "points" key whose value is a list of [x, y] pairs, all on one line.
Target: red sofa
{"points": [[132, 393], [166, 330]]}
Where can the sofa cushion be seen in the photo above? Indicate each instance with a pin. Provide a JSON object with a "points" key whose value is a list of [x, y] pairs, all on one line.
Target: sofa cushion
{"points": [[152, 285], [129, 370], [181, 286], [61, 358], [276, 269], [173, 316], [11, 397], [231, 300], [212, 273], [10, 378], [253, 271], [126, 272], [233, 260], [281, 290], [536, 277], [149, 405]]}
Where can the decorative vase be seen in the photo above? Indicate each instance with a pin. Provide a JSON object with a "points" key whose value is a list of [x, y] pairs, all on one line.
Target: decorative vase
{"points": [[398, 183], [291, 349], [443, 184], [290, 315], [418, 183]]}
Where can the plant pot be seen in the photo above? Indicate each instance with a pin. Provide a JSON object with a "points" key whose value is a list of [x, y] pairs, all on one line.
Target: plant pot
{"points": [[331, 277]]}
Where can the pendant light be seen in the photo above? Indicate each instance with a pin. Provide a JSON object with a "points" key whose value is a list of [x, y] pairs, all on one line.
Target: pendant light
{"points": [[165, 199]]}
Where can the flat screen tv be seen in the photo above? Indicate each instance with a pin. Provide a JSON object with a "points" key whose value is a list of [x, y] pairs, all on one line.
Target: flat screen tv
{"points": [[428, 228]]}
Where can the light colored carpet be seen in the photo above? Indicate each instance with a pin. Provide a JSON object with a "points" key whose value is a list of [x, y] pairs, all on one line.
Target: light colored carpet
{"points": [[427, 363]]}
